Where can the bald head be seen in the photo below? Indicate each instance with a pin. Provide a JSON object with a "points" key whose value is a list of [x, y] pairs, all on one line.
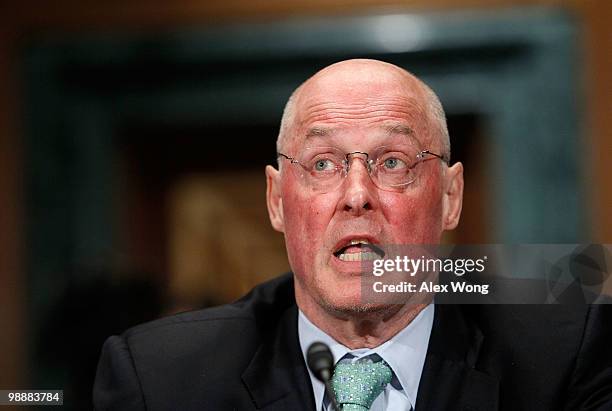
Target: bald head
{"points": [[359, 80]]}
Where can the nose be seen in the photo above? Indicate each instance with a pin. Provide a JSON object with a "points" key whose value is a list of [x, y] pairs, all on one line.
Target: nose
{"points": [[359, 192]]}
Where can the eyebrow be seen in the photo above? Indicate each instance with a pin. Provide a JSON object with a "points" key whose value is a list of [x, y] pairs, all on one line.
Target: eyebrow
{"points": [[391, 129], [399, 129], [319, 132]]}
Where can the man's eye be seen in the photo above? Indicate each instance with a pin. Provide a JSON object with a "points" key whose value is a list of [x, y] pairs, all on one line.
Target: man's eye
{"points": [[323, 165], [394, 163]]}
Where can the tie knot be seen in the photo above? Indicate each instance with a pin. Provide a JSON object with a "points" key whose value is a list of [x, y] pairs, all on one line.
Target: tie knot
{"points": [[357, 385]]}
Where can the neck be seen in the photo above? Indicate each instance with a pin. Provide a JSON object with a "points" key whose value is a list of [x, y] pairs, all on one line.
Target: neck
{"points": [[360, 327]]}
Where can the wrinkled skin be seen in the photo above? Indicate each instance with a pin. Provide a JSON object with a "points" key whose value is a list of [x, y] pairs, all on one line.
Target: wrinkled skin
{"points": [[357, 102]]}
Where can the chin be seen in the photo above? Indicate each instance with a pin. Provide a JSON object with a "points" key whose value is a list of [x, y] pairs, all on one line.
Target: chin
{"points": [[351, 305]]}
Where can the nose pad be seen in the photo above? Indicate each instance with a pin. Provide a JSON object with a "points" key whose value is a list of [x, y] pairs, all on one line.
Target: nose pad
{"points": [[358, 164], [358, 185], [350, 159]]}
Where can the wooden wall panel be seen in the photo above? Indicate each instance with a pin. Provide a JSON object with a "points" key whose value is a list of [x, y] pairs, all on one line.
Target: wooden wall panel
{"points": [[12, 315], [598, 112], [146, 13]]}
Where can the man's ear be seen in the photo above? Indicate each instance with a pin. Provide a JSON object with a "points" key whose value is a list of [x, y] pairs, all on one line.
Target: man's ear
{"points": [[452, 196], [274, 199]]}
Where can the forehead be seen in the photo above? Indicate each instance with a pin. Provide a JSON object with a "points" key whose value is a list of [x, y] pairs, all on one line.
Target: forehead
{"points": [[385, 106]]}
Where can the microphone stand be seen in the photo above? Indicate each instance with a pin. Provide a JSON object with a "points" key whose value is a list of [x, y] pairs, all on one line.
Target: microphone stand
{"points": [[320, 360], [330, 394]]}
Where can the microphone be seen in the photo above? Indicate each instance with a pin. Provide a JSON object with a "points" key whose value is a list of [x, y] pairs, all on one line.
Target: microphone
{"points": [[320, 360]]}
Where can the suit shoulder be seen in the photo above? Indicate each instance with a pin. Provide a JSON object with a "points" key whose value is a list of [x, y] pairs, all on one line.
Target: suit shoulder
{"points": [[227, 314], [533, 336], [539, 318], [194, 359], [246, 318]]}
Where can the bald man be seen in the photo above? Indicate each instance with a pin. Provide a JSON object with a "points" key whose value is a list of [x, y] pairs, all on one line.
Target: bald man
{"points": [[363, 162]]}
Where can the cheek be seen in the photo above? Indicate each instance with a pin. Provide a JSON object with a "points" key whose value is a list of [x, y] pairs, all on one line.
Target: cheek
{"points": [[306, 220], [414, 218]]}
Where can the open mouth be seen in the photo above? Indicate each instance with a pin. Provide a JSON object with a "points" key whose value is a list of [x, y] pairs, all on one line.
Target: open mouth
{"points": [[359, 250]]}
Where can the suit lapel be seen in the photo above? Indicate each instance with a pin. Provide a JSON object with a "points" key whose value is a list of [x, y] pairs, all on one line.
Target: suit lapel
{"points": [[277, 378], [450, 380]]}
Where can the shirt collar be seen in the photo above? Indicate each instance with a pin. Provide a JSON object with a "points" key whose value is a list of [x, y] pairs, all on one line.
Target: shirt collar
{"points": [[405, 352]]}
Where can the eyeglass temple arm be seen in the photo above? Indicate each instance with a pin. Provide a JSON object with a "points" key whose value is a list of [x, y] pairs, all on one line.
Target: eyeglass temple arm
{"points": [[441, 157], [292, 159]]}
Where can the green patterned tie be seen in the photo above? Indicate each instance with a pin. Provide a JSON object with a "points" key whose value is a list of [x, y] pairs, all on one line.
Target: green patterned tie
{"points": [[357, 385]]}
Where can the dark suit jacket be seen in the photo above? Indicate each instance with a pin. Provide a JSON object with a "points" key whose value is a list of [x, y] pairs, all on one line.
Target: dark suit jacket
{"points": [[246, 356]]}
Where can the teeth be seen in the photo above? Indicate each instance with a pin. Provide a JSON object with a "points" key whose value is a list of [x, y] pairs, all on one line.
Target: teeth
{"points": [[355, 242], [367, 256]]}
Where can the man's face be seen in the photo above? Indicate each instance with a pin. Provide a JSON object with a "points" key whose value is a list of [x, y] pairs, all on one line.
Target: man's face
{"points": [[355, 114]]}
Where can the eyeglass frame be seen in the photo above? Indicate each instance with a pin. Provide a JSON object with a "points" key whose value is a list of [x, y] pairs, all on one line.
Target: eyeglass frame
{"points": [[368, 163]]}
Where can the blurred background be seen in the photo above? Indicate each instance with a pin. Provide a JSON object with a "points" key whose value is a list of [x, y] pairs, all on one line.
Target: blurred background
{"points": [[133, 137]]}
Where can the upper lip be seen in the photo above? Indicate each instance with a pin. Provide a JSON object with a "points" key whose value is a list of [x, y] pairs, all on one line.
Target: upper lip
{"points": [[356, 239]]}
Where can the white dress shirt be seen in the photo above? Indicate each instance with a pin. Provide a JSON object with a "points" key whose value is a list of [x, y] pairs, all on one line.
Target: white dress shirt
{"points": [[404, 353]]}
